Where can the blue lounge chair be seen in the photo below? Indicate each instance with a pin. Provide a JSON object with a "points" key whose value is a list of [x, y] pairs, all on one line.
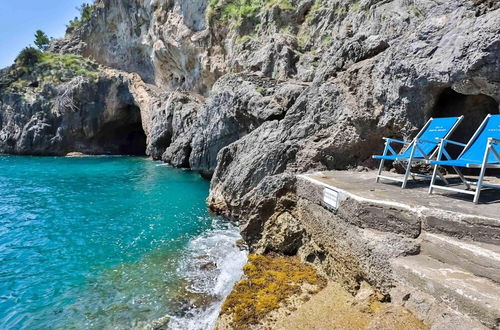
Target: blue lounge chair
{"points": [[421, 149], [482, 151]]}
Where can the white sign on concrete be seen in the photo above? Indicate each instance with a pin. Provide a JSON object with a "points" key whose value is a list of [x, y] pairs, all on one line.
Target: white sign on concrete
{"points": [[331, 198]]}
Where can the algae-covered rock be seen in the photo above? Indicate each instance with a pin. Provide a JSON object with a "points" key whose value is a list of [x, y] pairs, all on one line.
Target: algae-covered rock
{"points": [[281, 293], [269, 282]]}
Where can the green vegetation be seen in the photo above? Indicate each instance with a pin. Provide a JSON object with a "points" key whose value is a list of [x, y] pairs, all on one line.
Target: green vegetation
{"points": [[41, 40], [28, 57], [354, 7], [34, 67], [418, 12], [340, 11], [269, 282], [283, 4], [326, 39], [245, 38], [73, 64], [86, 10], [303, 37], [315, 8], [235, 11], [343, 9]]}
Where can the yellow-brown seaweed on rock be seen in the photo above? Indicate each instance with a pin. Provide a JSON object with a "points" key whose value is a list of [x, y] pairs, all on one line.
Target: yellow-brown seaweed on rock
{"points": [[268, 283]]}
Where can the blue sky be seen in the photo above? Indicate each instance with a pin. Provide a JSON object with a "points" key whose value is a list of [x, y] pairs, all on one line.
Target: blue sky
{"points": [[19, 19]]}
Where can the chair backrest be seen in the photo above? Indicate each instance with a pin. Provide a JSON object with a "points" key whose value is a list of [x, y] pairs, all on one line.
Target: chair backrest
{"points": [[474, 152], [436, 128]]}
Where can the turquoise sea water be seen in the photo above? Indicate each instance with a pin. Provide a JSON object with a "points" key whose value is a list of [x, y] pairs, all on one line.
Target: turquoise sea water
{"points": [[109, 242]]}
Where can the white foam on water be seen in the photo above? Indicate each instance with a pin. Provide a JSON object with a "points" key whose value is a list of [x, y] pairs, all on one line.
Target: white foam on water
{"points": [[212, 264], [163, 164]]}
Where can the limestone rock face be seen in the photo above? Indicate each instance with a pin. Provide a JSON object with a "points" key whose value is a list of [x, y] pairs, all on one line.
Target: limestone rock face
{"points": [[239, 105], [163, 41], [250, 96], [386, 71], [172, 138], [94, 116]]}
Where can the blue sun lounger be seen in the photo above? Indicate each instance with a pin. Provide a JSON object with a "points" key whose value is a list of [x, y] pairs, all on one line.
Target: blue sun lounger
{"points": [[421, 149], [482, 151]]}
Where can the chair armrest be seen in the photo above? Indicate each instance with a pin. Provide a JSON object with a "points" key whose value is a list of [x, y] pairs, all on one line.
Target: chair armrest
{"points": [[442, 148], [453, 142], [427, 141], [397, 141]]}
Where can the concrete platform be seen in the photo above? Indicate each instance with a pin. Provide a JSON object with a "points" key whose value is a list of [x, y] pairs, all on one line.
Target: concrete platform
{"points": [[458, 257], [387, 207]]}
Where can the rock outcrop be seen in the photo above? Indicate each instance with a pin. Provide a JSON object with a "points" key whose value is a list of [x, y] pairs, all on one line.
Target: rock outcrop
{"points": [[165, 42], [239, 105], [378, 82], [91, 114]]}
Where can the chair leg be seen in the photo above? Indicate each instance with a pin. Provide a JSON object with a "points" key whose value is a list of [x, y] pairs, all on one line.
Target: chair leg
{"points": [[483, 171], [407, 174], [462, 177], [479, 185], [380, 170], [408, 168], [441, 176], [433, 180]]}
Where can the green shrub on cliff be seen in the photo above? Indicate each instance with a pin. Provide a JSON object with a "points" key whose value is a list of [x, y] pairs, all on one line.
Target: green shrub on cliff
{"points": [[86, 10], [66, 66], [41, 40], [33, 68], [28, 57], [237, 10]]}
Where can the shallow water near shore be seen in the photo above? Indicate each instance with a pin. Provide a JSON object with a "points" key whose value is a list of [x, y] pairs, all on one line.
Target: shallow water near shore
{"points": [[110, 243]]}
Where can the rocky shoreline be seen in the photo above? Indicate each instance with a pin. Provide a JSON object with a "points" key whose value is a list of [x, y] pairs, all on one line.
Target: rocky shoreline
{"points": [[251, 93], [280, 292]]}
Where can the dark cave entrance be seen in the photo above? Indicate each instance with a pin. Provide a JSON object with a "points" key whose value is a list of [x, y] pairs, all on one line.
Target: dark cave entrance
{"points": [[474, 108], [124, 135], [132, 140]]}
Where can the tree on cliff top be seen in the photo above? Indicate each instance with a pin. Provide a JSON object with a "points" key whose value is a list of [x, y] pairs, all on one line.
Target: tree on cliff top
{"points": [[86, 11], [41, 40]]}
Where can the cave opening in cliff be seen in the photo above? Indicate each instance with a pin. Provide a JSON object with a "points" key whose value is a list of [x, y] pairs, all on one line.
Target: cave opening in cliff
{"points": [[124, 135], [474, 108]]}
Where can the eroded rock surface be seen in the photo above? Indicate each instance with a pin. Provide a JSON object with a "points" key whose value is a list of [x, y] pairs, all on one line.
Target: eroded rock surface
{"points": [[55, 119], [239, 105], [379, 80], [165, 42]]}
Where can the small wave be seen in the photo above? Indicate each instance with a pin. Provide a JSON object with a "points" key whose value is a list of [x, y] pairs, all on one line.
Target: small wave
{"points": [[212, 264]]}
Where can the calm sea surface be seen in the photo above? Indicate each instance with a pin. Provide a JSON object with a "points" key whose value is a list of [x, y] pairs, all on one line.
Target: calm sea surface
{"points": [[110, 243]]}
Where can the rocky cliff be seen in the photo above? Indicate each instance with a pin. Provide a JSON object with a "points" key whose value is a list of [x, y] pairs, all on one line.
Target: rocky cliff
{"points": [[250, 92]]}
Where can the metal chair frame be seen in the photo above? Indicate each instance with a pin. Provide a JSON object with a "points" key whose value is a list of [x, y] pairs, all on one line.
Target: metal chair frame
{"points": [[491, 147], [412, 159]]}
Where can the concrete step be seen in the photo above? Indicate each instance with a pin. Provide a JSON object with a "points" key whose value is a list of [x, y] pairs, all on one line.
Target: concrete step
{"points": [[356, 198], [478, 258], [474, 296]]}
